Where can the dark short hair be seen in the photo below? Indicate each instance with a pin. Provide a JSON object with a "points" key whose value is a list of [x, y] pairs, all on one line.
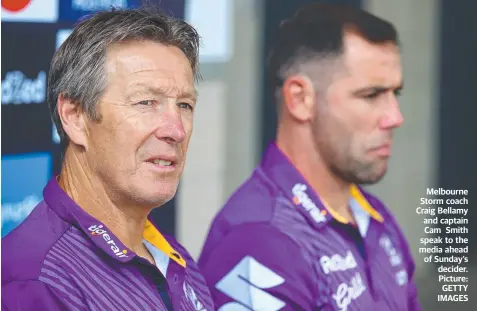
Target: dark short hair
{"points": [[317, 30], [78, 70]]}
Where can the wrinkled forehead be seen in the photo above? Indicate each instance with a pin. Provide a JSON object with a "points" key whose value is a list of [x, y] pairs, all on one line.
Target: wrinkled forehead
{"points": [[373, 62], [139, 63]]}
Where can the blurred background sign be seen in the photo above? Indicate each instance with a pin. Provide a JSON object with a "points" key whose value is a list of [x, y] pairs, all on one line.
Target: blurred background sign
{"points": [[36, 11]]}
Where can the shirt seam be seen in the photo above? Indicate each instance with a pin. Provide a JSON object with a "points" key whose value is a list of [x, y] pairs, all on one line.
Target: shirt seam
{"points": [[53, 244], [302, 250]]}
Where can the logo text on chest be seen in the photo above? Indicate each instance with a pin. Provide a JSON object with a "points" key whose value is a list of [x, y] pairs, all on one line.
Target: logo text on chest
{"points": [[338, 263], [346, 293], [97, 230], [301, 198]]}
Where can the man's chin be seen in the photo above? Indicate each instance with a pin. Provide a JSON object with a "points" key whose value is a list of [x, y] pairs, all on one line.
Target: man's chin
{"points": [[163, 198], [372, 177], [156, 196], [364, 174]]}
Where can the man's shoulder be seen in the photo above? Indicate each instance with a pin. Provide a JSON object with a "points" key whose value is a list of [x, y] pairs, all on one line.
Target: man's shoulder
{"points": [[257, 206], [253, 201], [24, 249], [32, 295]]}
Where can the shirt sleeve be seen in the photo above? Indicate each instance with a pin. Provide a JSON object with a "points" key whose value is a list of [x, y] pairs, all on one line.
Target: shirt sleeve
{"points": [[33, 295], [413, 300], [257, 267], [412, 292]]}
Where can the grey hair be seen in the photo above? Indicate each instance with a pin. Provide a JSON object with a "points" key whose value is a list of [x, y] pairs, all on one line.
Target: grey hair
{"points": [[77, 70]]}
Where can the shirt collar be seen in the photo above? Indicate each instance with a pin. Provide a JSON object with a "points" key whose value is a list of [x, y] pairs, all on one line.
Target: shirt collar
{"points": [[97, 232], [283, 173]]}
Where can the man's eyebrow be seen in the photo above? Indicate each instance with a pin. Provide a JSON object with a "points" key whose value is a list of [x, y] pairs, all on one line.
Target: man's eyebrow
{"points": [[191, 94], [161, 90], [378, 89]]}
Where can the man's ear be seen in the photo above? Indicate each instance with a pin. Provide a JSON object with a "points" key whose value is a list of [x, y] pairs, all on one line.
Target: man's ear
{"points": [[73, 120], [299, 97]]}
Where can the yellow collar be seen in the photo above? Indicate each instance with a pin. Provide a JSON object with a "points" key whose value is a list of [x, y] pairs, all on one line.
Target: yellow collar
{"points": [[359, 197], [153, 236]]}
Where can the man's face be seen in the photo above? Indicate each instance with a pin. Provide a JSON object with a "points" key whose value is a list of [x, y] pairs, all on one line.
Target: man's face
{"points": [[139, 148], [355, 121]]}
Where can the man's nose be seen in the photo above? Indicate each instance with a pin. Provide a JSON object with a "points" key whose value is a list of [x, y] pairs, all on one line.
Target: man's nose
{"points": [[393, 117], [171, 127]]}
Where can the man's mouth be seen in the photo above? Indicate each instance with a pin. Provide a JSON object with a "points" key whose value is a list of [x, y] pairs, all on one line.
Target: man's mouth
{"points": [[162, 162], [382, 150]]}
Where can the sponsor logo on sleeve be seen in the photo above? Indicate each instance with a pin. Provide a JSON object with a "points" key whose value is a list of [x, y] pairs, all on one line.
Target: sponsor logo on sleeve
{"points": [[300, 197], [246, 283], [97, 230]]}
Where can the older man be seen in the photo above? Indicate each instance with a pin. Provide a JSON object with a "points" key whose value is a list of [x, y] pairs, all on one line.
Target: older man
{"points": [[301, 233], [121, 93]]}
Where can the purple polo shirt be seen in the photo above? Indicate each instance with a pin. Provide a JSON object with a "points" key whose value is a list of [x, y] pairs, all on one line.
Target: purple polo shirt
{"points": [[61, 258], [274, 246]]}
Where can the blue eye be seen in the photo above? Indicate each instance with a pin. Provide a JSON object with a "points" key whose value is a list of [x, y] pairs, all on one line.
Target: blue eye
{"points": [[186, 106], [146, 102]]}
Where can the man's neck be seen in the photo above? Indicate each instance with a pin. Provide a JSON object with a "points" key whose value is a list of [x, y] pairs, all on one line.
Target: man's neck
{"points": [[87, 190], [333, 191]]}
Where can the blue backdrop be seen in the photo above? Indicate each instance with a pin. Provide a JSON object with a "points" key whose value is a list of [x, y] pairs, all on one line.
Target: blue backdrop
{"points": [[31, 32]]}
